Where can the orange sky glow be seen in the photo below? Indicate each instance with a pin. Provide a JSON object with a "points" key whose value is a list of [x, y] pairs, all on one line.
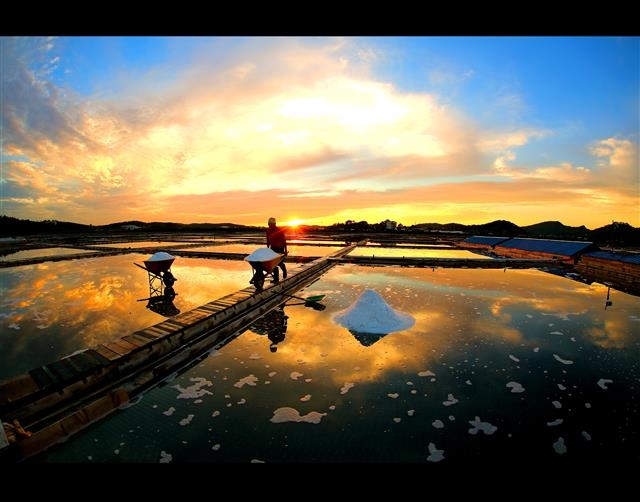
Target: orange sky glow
{"points": [[307, 131]]}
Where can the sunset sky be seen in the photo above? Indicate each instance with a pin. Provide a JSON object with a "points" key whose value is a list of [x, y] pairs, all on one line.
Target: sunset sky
{"points": [[99, 130]]}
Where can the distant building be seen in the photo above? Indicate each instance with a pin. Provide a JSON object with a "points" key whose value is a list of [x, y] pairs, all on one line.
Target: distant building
{"points": [[566, 251], [623, 269], [482, 242], [390, 225]]}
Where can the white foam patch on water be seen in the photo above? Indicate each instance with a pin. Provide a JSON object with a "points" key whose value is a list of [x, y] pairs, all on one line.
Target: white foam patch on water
{"points": [[165, 457], [557, 421], [468, 382], [451, 418], [450, 400], [332, 407], [248, 380], [557, 404], [586, 435], [411, 412], [560, 360], [242, 401], [603, 382], [13, 325], [196, 390], [216, 447], [561, 387], [409, 383], [516, 387], [438, 424], [257, 461], [169, 412], [186, 420], [393, 395], [295, 375], [305, 398], [426, 373], [560, 333], [559, 446], [287, 414], [397, 419], [536, 349], [272, 374], [587, 405], [435, 455], [514, 358], [478, 425], [345, 388], [371, 314], [215, 414], [255, 356]]}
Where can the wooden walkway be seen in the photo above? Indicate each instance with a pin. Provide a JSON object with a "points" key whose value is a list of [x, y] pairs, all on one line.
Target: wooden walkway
{"points": [[50, 403]]}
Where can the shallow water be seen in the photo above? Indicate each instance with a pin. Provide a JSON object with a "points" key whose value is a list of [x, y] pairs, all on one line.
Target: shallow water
{"points": [[500, 366], [52, 309], [42, 252]]}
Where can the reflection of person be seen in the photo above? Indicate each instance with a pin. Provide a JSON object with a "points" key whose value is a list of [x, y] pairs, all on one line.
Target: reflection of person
{"points": [[278, 329], [277, 241], [274, 325]]}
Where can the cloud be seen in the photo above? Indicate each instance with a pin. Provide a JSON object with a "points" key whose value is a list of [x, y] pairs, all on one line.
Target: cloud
{"points": [[234, 126]]}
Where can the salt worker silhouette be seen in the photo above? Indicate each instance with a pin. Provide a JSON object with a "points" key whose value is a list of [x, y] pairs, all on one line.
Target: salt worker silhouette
{"points": [[277, 241]]}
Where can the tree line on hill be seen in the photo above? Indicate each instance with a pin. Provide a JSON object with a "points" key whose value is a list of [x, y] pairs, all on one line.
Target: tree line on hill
{"points": [[616, 233]]}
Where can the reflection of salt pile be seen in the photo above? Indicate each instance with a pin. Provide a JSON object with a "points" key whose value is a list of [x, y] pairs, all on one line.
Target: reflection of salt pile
{"points": [[262, 254], [371, 314]]}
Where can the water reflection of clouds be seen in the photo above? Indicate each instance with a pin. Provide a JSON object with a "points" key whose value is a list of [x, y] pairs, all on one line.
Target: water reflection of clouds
{"points": [[53, 309]]}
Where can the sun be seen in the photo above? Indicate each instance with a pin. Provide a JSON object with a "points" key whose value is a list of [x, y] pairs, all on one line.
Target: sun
{"points": [[294, 223]]}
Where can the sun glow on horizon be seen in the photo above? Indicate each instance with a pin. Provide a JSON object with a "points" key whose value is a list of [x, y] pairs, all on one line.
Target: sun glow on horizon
{"points": [[294, 223]]}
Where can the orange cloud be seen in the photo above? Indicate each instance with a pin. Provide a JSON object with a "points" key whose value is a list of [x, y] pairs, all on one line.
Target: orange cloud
{"points": [[278, 122]]}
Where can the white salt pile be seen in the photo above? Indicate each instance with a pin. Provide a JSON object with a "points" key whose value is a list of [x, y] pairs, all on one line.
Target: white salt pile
{"points": [[262, 254], [161, 256], [371, 314]]}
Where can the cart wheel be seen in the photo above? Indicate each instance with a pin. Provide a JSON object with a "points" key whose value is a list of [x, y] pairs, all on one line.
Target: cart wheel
{"points": [[258, 281]]}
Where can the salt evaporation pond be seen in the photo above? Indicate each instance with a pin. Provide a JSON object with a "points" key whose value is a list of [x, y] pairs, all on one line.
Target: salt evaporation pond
{"points": [[42, 253], [297, 250], [515, 367], [393, 252], [51, 309]]}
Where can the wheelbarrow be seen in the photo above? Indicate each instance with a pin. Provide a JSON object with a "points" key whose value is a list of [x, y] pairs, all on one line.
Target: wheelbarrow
{"points": [[263, 268]]}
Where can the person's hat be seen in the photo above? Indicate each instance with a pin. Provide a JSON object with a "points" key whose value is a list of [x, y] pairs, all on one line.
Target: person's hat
{"points": [[272, 221]]}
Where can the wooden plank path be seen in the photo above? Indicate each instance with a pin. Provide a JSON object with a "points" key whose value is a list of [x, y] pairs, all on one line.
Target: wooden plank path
{"points": [[50, 403]]}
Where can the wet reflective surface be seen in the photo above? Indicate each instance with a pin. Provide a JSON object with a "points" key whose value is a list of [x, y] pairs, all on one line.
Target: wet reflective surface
{"points": [[43, 252], [142, 244], [52, 309], [297, 250], [393, 252], [499, 367]]}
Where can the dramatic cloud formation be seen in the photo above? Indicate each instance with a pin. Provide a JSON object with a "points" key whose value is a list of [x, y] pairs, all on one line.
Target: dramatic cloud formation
{"points": [[236, 130]]}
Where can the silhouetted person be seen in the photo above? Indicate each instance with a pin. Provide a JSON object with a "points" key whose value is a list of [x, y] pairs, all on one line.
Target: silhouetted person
{"points": [[277, 241], [277, 328]]}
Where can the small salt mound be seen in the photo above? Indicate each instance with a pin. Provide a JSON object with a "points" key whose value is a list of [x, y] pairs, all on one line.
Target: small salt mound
{"points": [[161, 256], [262, 254], [371, 314]]}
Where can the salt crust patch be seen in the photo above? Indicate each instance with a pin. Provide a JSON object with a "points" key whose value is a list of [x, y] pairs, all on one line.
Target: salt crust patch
{"points": [[287, 414]]}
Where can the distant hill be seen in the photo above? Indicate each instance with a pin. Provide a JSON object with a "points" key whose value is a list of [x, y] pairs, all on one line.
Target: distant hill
{"points": [[556, 230], [614, 234]]}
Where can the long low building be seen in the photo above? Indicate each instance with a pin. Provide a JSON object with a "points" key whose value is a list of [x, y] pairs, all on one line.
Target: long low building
{"points": [[482, 242], [565, 251], [622, 269]]}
